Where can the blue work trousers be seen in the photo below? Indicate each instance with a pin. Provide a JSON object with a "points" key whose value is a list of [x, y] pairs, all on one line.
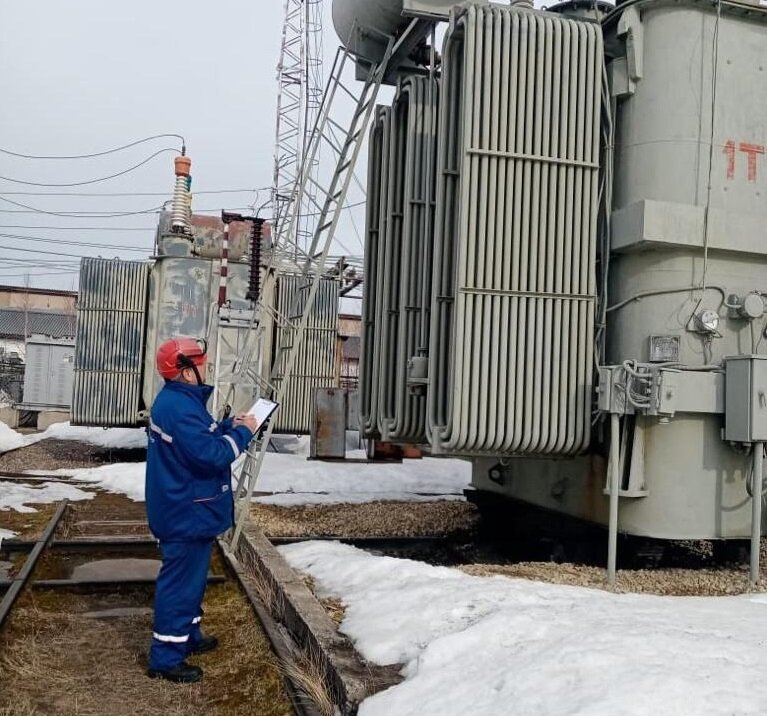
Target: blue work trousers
{"points": [[177, 602]]}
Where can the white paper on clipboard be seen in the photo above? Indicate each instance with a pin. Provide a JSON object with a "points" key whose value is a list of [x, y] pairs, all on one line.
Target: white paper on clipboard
{"points": [[262, 409]]}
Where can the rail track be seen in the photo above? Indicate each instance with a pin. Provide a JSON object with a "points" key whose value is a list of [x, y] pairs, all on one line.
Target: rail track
{"points": [[92, 547]]}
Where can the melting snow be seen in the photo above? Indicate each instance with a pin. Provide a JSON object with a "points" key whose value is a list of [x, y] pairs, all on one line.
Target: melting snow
{"points": [[492, 645], [118, 438]]}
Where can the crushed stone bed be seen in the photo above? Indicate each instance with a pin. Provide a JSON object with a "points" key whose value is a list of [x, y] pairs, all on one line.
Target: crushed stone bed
{"points": [[665, 582], [54, 454], [375, 519]]}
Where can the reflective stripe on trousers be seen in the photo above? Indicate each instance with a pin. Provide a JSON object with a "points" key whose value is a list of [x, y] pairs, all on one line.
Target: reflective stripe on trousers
{"points": [[178, 599]]}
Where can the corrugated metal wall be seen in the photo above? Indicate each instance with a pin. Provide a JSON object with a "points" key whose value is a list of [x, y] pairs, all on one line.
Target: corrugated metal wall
{"points": [[111, 317], [514, 285], [315, 366]]}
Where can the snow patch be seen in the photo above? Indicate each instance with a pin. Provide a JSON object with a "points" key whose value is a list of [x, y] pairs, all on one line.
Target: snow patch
{"points": [[117, 438], [120, 478], [5, 534], [18, 496], [494, 645], [10, 439]]}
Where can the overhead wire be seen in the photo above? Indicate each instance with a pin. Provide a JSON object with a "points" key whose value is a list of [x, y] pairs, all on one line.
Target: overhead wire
{"points": [[53, 253], [35, 275], [76, 215], [79, 228], [96, 154], [122, 247], [99, 214], [93, 181], [126, 193]]}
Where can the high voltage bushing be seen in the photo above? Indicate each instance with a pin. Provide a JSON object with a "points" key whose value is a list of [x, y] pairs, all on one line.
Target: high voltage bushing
{"points": [[256, 236]]}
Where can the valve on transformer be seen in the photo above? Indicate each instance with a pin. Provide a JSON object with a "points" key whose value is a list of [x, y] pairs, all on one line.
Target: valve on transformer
{"points": [[181, 210]]}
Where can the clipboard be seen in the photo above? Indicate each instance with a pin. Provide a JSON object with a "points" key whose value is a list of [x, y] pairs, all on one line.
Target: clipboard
{"points": [[262, 410]]}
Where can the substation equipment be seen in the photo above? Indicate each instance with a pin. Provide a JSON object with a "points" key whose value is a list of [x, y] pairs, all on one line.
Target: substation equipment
{"points": [[220, 284], [566, 256]]}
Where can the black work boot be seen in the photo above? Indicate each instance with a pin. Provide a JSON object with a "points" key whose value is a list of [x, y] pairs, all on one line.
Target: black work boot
{"points": [[182, 673], [206, 643]]}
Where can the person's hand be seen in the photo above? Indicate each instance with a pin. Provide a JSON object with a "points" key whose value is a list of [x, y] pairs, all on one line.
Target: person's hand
{"points": [[249, 421]]}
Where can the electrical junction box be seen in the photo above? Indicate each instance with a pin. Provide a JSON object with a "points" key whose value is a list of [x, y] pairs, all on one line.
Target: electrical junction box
{"points": [[746, 399]]}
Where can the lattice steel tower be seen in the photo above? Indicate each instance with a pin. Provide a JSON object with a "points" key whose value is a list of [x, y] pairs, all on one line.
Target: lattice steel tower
{"points": [[300, 90]]}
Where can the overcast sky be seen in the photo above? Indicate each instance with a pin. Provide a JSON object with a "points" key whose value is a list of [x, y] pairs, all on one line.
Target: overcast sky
{"points": [[80, 76]]}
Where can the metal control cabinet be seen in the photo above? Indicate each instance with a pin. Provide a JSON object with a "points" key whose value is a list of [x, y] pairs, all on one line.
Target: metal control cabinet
{"points": [[746, 399]]}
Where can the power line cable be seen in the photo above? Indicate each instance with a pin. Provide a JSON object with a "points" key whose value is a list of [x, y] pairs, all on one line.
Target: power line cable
{"points": [[34, 275], [97, 154], [75, 214], [127, 193], [122, 247], [93, 181], [79, 228], [53, 253], [100, 214]]}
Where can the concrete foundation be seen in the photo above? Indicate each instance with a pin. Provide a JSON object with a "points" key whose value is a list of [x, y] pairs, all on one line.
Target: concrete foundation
{"points": [[46, 418], [9, 416]]}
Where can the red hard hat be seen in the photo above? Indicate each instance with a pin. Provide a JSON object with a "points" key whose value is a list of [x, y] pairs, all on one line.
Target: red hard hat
{"points": [[177, 353]]}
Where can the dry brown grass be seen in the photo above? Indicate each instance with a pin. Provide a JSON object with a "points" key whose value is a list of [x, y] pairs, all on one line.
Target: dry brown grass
{"points": [[55, 661], [335, 608], [27, 525], [306, 672], [305, 668], [375, 519]]}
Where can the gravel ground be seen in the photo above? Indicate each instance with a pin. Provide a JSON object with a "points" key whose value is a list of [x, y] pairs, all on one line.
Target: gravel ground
{"points": [[376, 519], [56, 454], [667, 582]]}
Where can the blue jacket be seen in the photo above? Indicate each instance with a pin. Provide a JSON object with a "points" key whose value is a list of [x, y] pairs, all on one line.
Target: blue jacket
{"points": [[188, 469]]}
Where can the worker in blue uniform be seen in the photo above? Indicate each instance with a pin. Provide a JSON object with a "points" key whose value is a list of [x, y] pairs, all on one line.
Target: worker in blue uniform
{"points": [[188, 502]]}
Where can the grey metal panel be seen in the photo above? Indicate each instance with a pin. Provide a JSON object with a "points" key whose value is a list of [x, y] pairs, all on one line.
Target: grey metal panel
{"points": [[352, 409], [49, 373], [746, 399], [315, 366], [111, 316], [328, 434], [514, 285]]}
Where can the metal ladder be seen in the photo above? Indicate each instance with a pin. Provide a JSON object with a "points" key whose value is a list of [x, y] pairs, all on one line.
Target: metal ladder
{"points": [[313, 262]]}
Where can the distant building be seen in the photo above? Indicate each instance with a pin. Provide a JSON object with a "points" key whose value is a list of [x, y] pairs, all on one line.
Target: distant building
{"points": [[18, 324], [37, 299], [348, 350]]}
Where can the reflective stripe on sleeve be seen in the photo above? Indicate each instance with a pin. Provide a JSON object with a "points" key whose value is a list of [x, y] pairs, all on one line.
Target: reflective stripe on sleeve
{"points": [[196, 620], [157, 429], [234, 445], [169, 638]]}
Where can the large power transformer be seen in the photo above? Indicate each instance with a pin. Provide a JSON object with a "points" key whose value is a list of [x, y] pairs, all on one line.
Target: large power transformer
{"points": [[566, 261], [127, 308]]}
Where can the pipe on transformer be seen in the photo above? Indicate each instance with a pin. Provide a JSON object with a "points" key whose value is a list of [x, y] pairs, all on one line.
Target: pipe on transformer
{"points": [[756, 510]]}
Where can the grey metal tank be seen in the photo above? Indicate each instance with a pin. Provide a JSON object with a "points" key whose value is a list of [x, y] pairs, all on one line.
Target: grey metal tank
{"points": [[361, 25], [687, 270], [365, 26]]}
